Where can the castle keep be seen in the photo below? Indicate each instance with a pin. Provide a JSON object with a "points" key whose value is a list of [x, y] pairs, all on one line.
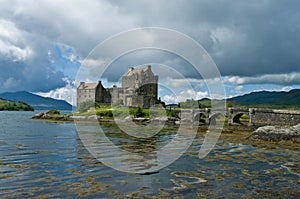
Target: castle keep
{"points": [[139, 88]]}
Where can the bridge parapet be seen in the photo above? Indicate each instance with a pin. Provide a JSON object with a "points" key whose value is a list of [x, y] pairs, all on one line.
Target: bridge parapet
{"points": [[257, 116], [275, 117]]}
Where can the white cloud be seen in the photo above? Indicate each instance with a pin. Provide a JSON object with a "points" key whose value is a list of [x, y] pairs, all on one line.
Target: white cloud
{"points": [[279, 79], [10, 83], [78, 23], [66, 93], [242, 46], [184, 95], [179, 83], [238, 90], [12, 42], [93, 63]]}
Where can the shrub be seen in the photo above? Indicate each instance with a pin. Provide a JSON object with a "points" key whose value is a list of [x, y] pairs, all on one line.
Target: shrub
{"points": [[53, 112], [109, 113], [189, 103], [85, 106], [138, 112], [171, 113]]}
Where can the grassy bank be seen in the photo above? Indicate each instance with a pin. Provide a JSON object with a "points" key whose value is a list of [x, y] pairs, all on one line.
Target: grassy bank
{"points": [[6, 105], [109, 112]]}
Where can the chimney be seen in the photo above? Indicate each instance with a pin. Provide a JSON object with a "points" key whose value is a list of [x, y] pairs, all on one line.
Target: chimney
{"points": [[82, 84], [149, 67], [130, 69]]}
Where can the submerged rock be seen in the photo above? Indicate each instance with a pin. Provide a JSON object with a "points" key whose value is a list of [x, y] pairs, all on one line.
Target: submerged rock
{"points": [[276, 134], [149, 173]]}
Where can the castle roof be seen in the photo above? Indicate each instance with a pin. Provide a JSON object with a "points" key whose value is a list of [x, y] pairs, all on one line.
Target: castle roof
{"points": [[88, 86], [133, 71]]}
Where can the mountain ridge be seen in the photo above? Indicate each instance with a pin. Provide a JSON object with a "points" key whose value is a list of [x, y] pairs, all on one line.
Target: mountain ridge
{"points": [[291, 98], [36, 101], [268, 99], [259, 99]]}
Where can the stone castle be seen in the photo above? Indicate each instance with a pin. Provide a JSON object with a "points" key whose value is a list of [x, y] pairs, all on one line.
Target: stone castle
{"points": [[139, 89]]}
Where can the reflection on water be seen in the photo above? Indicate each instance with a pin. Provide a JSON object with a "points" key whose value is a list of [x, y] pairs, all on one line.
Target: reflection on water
{"points": [[42, 159]]}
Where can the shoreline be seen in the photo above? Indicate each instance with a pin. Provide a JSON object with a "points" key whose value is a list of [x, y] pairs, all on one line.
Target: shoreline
{"points": [[266, 133], [230, 133]]}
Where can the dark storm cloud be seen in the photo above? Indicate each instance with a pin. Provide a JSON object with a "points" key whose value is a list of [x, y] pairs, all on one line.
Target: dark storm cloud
{"points": [[18, 76], [245, 38], [24, 61]]}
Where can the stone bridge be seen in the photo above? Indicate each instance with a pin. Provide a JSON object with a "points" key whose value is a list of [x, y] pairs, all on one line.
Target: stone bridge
{"points": [[255, 116]]}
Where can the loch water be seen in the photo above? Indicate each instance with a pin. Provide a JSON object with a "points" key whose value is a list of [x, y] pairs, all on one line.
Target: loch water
{"points": [[42, 159]]}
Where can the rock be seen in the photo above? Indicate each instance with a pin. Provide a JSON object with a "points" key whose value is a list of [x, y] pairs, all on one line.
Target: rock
{"points": [[297, 127], [149, 173], [92, 117], [173, 119], [48, 116], [128, 118], [38, 115], [140, 119], [159, 119], [276, 134], [75, 117]]}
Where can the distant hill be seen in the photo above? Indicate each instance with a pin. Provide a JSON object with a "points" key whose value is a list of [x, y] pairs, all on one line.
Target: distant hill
{"points": [[261, 99], [7, 105], [36, 101], [269, 98]]}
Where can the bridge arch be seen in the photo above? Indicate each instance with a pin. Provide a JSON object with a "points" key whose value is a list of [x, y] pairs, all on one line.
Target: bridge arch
{"points": [[241, 118], [213, 118], [200, 117]]}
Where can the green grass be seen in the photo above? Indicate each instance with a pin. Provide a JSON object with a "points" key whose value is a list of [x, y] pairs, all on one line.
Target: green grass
{"points": [[14, 106], [109, 112]]}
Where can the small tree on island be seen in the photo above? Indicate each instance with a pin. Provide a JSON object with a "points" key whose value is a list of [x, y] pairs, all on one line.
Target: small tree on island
{"points": [[137, 112]]}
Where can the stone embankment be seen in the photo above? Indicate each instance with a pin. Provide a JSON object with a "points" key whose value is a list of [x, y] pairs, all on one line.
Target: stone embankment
{"points": [[277, 133]]}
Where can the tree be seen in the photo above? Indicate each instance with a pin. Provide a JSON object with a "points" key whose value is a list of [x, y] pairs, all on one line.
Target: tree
{"points": [[85, 106], [138, 112], [189, 103]]}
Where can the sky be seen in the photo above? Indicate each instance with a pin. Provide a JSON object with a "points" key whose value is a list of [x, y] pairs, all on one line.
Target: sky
{"points": [[254, 44]]}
